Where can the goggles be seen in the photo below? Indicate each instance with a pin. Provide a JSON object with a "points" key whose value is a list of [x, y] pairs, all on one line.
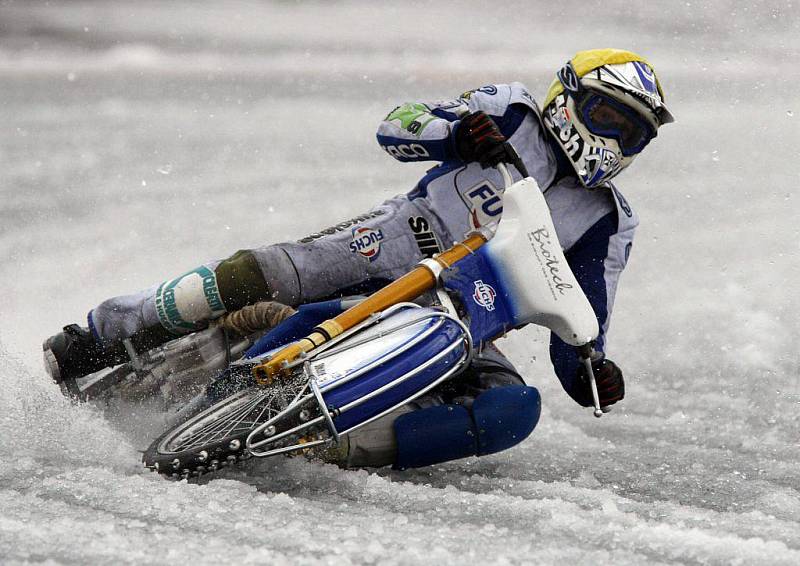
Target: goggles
{"points": [[607, 117]]}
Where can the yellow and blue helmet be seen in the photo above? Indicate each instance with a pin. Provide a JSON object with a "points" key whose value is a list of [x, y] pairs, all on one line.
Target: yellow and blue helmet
{"points": [[603, 108]]}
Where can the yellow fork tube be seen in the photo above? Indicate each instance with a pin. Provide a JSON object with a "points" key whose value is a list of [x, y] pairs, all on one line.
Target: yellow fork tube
{"points": [[406, 288]]}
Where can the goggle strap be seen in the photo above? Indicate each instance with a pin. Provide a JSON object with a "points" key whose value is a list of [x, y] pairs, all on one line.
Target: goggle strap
{"points": [[570, 80]]}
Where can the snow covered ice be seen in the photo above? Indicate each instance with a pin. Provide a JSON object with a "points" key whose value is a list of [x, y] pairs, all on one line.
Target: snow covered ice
{"points": [[140, 139]]}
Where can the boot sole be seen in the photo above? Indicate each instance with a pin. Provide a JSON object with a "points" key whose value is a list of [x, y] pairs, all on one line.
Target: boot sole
{"points": [[50, 363], [69, 387]]}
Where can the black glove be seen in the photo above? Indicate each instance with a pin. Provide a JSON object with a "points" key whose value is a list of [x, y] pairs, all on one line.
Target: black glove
{"points": [[479, 139], [610, 384]]}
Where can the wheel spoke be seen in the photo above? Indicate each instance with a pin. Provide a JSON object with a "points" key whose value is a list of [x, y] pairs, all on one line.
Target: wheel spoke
{"points": [[242, 416], [219, 426], [234, 416]]}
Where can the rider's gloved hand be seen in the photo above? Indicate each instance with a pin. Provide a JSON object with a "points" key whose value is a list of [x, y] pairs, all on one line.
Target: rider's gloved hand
{"points": [[610, 384], [479, 139]]}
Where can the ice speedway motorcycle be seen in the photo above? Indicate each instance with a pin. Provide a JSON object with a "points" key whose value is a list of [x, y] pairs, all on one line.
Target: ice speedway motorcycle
{"points": [[275, 381]]}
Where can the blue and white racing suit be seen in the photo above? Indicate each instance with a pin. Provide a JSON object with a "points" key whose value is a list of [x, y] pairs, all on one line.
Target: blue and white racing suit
{"points": [[595, 228]]}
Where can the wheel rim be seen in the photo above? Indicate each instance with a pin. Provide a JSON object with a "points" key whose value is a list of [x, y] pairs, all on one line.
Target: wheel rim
{"points": [[235, 416]]}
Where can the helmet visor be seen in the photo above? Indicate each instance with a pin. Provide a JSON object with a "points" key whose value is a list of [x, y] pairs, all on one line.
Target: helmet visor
{"points": [[607, 117]]}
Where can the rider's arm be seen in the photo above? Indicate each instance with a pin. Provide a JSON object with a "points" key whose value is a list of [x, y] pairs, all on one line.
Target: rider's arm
{"points": [[597, 260], [419, 132], [426, 132]]}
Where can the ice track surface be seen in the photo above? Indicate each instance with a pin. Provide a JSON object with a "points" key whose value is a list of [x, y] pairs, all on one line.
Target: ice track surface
{"points": [[139, 139]]}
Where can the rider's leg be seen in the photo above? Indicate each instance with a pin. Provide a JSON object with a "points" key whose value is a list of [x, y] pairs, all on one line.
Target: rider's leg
{"points": [[333, 261], [486, 409], [187, 302], [499, 418], [177, 306]]}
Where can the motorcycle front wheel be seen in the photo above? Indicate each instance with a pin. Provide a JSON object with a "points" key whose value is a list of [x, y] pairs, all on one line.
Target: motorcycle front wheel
{"points": [[212, 435]]}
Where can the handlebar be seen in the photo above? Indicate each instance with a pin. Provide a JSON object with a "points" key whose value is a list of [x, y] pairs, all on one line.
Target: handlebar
{"points": [[506, 154]]}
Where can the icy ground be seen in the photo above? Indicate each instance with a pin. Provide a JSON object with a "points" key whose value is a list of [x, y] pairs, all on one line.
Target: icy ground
{"points": [[139, 138]]}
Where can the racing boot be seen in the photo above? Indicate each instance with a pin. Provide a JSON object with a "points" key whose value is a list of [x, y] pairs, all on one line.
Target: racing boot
{"points": [[74, 353]]}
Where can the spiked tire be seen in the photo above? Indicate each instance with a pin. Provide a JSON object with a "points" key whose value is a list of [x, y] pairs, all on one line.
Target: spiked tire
{"points": [[211, 436]]}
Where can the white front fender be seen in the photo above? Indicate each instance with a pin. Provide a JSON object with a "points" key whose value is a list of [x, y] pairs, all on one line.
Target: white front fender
{"points": [[527, 258]]}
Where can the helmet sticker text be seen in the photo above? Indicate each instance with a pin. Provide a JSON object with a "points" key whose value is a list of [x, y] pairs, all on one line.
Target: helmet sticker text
{"points": [[569, 78]]}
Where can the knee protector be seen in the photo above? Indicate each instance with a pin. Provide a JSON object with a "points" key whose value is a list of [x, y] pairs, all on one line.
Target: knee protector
{"points": [[183, 304], [241, 281], [500, 418], [505, 416]]}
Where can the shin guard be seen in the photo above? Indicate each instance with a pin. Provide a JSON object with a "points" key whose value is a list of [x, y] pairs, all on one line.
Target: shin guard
{"points": [[500, 418]]}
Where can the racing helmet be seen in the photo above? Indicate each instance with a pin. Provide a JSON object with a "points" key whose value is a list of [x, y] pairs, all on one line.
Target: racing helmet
{"points": [[603, 108]]}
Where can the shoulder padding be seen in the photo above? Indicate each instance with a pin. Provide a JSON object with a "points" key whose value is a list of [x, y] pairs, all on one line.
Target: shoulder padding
{"points": [[495, 99]]}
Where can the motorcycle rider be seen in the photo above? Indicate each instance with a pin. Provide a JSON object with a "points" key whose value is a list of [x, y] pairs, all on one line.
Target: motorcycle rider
{"points": [[600, 112]]}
